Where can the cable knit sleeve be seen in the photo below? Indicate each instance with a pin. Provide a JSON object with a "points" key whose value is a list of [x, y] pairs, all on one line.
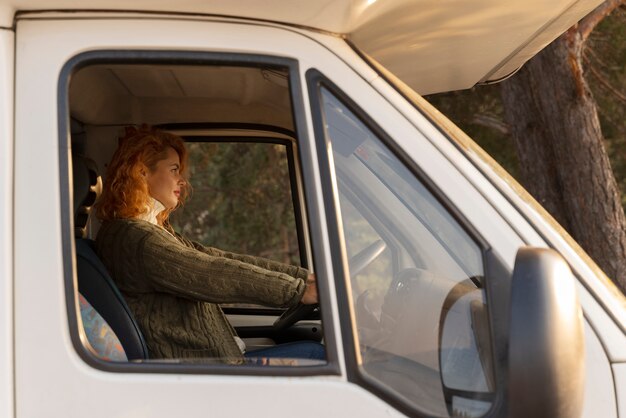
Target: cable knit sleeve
{"points": [[265, 263], [216, 276]]}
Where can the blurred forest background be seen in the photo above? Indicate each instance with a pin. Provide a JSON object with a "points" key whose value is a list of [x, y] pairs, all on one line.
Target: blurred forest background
{"points": [[240, 200], [479, 111], [596, 47]]}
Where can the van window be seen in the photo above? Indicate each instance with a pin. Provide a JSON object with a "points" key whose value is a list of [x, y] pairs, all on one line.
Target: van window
{"points": [[246, 198], [416, 277], [242, 200]]}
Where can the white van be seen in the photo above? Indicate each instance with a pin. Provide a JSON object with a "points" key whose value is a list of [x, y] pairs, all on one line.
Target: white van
{"points": [[445, 290]]}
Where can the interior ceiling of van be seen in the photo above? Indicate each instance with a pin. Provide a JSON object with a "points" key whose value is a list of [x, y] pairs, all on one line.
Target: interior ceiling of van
{"points": [[168, 94], [431, 45]]}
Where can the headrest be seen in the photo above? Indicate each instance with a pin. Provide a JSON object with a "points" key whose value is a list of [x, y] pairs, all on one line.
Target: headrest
{"points": [[87, 188]]}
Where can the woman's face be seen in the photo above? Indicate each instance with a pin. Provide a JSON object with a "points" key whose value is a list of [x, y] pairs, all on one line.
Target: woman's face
{"points": [[165, 182]]}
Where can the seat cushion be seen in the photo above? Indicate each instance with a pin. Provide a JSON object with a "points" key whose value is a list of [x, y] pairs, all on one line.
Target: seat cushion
{"points": [[101, 337]]}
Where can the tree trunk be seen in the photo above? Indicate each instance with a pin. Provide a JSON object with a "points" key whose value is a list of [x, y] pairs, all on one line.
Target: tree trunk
{"points": [[563, 161]]}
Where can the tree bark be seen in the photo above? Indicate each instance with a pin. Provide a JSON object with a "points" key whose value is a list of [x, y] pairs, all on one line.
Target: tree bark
{"points": [[563, 162]]}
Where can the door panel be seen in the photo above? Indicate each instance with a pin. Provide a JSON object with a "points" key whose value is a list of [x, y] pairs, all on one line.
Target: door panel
{"points": [[6, 222], [51, 373]]}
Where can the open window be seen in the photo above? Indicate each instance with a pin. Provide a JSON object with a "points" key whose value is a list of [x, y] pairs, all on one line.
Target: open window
{"points": [[237, 119]]}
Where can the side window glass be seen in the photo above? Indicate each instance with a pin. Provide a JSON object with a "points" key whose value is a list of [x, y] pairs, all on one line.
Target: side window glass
{"points": [[370, 263], [242, 199], [416, 278]]}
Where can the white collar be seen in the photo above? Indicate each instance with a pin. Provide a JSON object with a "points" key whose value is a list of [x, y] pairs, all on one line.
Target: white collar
{"points": [[154, 208]]}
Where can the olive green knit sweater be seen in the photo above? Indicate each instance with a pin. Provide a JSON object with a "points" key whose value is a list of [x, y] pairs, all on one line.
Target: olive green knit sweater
{"points": [[172, 285]]}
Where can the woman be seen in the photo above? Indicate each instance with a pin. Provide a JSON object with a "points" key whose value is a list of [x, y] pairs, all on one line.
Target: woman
{"points": [[171, 284]]}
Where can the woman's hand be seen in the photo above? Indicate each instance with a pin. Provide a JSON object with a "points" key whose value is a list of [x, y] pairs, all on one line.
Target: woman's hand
{"points": [[310, 292]]}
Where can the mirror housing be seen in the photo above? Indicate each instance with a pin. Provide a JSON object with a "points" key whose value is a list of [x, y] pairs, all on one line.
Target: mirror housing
{"points": [[546, 338]]}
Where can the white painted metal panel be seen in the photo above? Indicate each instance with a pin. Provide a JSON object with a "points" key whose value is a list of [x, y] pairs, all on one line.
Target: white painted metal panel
{"points": [[619, 371], [40, 291], [43, 47], [6, 222], [433, 45], [56, 378], [599, 394], [438, 45]]}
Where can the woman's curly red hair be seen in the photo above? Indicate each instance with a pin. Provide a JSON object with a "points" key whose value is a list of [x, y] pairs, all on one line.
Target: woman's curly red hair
{"points": [[125, 193]]}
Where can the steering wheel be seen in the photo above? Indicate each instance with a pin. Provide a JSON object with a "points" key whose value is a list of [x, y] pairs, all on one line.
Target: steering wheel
{"points": [[293, 315], [357, 263], [366, 256]]}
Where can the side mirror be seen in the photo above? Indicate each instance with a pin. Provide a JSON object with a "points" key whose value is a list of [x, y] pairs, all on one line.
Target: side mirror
{"points": [[546, 340]]}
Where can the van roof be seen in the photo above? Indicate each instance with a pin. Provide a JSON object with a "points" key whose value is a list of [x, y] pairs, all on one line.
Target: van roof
{"points": [[431, 45]]}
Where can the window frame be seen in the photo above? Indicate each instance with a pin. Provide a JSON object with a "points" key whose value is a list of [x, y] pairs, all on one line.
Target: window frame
{"points": [[182, 57], [497, 290]]}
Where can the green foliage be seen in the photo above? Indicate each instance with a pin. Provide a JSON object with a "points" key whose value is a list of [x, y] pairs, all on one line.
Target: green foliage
{"points": [[241, 200]]}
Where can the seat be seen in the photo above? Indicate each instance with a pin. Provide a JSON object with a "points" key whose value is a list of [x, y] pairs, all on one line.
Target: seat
{"points": [[94, 281], [100, 337], [95, 284]]}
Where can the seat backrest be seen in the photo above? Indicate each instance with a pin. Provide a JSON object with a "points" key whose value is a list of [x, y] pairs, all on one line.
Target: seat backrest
{"points": [[95, 284], [94, 281]]}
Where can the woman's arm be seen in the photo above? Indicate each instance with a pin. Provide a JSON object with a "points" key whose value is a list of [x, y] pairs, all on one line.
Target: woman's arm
{"points": [[265, 263], [215, 276]]}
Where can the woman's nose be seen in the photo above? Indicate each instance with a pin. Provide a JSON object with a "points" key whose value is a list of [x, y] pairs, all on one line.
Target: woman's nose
{"points": [[182, 181]]}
